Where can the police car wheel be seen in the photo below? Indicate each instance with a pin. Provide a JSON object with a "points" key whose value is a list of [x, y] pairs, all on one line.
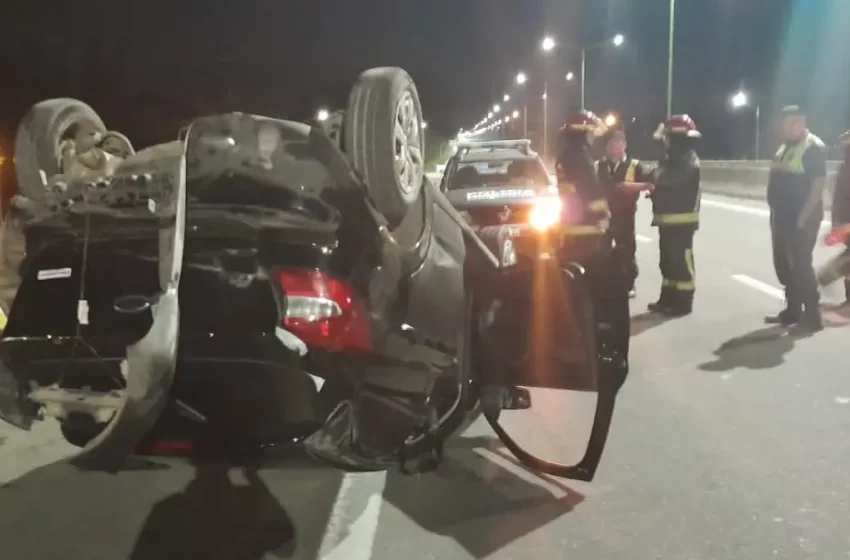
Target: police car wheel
{"points": [[384, 139], [40, 133]]}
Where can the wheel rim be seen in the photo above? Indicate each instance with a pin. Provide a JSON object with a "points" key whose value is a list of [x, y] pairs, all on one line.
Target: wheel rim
{"points": [[407, 138]]}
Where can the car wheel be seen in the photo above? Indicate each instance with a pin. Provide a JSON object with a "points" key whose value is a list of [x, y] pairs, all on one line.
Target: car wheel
{"points": [[117, 144], [80, 429], [40, 134], [383, 137]]}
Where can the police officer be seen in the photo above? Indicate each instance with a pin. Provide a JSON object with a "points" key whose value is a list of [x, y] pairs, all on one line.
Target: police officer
{"points": [[841, 203], [675, 211], [795, 196], [620, 176]]}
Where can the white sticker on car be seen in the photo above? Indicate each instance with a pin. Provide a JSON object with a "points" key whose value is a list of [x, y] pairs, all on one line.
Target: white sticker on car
{"points": [[54, 273], [496, 195]]}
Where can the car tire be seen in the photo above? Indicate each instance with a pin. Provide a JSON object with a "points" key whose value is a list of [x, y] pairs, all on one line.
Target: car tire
{"points": [[383, 137], [37, 153]]}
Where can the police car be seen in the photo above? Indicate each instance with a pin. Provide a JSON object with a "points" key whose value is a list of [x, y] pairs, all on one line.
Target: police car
{"points": [[502, 188]]}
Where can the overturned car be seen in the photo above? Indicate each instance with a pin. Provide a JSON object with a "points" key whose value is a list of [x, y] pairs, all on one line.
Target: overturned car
{"points": [[261, 283]]}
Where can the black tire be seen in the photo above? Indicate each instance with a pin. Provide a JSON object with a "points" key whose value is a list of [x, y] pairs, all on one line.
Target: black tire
{"points": [[37, 142], [372, 145], [498, 240]]}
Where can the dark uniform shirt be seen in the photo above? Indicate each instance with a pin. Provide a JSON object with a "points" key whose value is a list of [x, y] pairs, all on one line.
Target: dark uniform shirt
{"points": [[577, 178], [796, 166]]}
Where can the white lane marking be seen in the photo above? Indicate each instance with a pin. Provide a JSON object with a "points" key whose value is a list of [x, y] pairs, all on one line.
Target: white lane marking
{"points": [[344, 540], [643, 238], [764, 212], [744, 209], [759, 285]]}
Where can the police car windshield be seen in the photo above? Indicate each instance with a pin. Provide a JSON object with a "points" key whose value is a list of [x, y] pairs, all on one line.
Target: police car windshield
{"points": [[485, 173]]}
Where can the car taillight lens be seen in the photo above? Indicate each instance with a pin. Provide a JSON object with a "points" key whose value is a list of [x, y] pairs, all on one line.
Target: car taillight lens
{"points": [[324, 311]]}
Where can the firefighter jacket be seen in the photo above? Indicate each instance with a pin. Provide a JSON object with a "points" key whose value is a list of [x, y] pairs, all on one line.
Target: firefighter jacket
{"points": [[676, 198], [579, 186]]}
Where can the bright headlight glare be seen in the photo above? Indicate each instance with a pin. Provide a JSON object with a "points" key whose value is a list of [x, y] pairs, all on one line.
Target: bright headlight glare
{"points": [[545, 212]]}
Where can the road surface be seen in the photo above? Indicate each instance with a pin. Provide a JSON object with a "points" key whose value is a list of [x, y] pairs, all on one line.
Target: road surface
{"points": [[730, 442]]}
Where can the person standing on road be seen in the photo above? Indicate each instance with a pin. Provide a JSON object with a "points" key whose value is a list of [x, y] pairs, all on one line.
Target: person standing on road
{"points": [[795, 196], [675, 212], [621, 177], [840, 233]]}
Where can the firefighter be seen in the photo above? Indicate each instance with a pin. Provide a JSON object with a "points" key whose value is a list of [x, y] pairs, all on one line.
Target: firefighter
{"points": [[675, 212], [795, 196], [586, 239], [621, 177], [841, 204]]}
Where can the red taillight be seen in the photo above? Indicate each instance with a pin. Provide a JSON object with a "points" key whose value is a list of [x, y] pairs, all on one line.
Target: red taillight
{"points": [[324, 311], [165, 447]]}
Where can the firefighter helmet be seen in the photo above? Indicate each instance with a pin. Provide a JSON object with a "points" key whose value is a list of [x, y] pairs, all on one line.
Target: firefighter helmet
{"points": [[584, 121], [677, 125]]}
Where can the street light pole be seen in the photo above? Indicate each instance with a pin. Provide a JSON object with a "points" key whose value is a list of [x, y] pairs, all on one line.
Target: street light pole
{"points": [[758, 131], [583, 67], [670, 58], [545, 119], [525, 120]]}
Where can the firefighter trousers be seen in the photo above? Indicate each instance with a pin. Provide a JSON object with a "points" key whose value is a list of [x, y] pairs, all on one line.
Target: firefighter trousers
{"points": [[792, 260], [676, 261]]}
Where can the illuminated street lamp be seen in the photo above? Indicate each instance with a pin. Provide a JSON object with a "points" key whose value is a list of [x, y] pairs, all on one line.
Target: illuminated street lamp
{"points": [[547, 44], [618, 40], [740, 100], [496, 108], [506, 98], [322, 115], [507, 119], [521, 78], [515, 115], [490, 115], [570, 76]]}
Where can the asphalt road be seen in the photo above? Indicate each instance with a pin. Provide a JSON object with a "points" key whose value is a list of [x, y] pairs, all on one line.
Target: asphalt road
{"points": [[731, 441]]}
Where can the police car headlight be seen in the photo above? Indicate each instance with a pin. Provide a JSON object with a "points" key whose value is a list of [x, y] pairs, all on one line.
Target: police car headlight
{"points": [[545, 212]]}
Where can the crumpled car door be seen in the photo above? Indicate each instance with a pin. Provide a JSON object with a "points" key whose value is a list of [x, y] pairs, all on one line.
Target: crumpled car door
{"points": [[151, 362]]}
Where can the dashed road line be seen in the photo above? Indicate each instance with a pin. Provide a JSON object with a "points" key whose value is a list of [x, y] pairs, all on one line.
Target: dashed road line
{"points": [[763, 287]]}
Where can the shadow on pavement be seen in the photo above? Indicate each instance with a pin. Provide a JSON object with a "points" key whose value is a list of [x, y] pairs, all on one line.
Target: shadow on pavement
{"points": [[647, 320], [215, 518], [761, 349], [172, 509], [479, 503]]}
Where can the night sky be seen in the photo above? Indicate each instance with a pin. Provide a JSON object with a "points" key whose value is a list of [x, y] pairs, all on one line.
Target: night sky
{"points": [[148, 65]]}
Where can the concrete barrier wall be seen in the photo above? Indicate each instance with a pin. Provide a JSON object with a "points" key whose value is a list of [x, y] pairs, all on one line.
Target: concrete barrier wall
{"points": [[748, 179]]}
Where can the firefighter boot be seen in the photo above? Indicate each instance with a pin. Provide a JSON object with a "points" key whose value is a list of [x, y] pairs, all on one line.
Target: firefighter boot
{"points": [[664, 301], [681, 304]]}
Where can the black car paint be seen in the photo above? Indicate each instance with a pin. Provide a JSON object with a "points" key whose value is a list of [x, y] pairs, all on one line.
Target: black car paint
{"points": [[401, 286]]}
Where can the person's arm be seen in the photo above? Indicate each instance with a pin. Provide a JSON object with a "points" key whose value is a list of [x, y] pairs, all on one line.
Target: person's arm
{"points": [[814, 163], [644, 180]]}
